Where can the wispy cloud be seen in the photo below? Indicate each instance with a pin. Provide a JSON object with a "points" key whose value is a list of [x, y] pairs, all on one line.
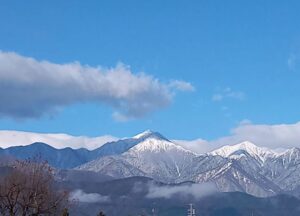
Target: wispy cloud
{"points": [[30, 88], [228, 93], [181, 85]]}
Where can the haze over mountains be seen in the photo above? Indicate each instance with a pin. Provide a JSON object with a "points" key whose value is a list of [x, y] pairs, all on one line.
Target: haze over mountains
{"points": [[243, 167]]}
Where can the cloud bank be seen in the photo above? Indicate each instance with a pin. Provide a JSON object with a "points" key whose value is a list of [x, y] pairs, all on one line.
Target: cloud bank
{"points": [[279, 136], [271, 136], [30, 88], [195, 190], [20, 138], [81, 196]]}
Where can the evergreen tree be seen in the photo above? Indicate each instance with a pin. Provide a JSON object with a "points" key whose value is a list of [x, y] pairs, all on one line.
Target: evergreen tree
{"points": [[101, 213]]}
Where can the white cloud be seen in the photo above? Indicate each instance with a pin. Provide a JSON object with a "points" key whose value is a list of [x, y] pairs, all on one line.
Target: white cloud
{"points": [[81, 196], [181, 85], [271, 136], [30, 88], [19, 138], [195, 190], [228, 93]]}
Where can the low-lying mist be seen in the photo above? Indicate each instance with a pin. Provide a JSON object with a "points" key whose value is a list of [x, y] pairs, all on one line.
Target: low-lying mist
{"points": [[81, 196], [185, 190]]}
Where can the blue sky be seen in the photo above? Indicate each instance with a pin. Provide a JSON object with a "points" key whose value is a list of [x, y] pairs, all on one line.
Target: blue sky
{"points": [[241, 57]]}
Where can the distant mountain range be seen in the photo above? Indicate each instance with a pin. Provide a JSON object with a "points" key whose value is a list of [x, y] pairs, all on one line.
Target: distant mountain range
{"points": [[68, 158], [244, 167]]}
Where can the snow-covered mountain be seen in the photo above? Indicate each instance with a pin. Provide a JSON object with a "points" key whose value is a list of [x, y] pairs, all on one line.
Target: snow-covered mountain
{"points": [[155, 156], [242, 167], [281, 168]]}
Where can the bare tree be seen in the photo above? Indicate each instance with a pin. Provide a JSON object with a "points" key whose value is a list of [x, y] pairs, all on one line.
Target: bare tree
{"points": [[29, 190], [65, 212]]}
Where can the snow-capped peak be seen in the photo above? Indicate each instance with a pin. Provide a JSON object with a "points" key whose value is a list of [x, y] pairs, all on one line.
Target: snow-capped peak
{"points": [[143, 134], [249, 147], [149, 134]]}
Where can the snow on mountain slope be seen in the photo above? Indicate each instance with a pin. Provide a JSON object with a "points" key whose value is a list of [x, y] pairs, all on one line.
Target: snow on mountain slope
{"points": [[155, 143], [234, 177], [160, 159], [284, 170]]}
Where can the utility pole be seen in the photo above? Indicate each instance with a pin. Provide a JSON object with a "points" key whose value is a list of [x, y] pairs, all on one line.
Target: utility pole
{"points": [[154, 210], [191, 210]]}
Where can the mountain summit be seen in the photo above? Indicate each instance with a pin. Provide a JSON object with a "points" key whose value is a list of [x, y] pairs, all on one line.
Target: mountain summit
{"points": [[243, 148], [149, 134], [153, 156]]}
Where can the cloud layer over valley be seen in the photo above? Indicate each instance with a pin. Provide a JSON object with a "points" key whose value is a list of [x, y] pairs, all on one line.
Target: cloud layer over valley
{"points": [[195, 190], [81, 196]]}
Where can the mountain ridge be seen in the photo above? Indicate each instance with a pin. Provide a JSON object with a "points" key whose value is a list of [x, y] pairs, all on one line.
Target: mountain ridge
{"points": [[241, 167]]}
